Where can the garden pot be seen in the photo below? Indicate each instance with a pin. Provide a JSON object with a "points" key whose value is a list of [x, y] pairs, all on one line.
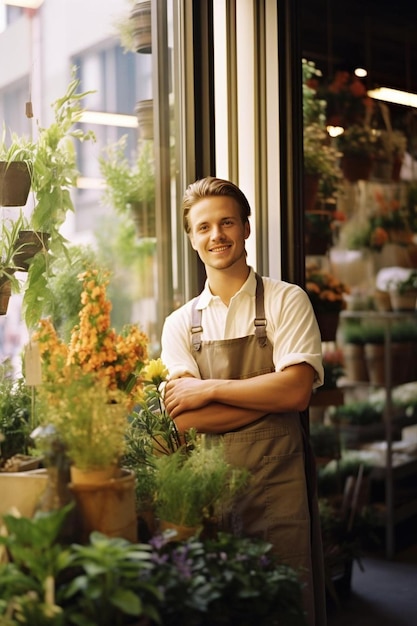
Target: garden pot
{"points": [[182, 532], [356, 168], [140, 17], [21, 491], [354, 362], [405, 301], [28, 244], [381, 170], [83, 477], [375, 362], [328, 322], [14, 183], [143, 215], [108, 507], [5, 293], [144, 114]]}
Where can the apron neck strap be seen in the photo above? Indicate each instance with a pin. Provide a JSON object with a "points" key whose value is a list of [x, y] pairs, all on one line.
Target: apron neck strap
{"points": [[259, 322]]}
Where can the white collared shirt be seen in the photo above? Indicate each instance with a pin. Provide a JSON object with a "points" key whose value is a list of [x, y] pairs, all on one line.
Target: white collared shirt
{"points": [[291, 326]]}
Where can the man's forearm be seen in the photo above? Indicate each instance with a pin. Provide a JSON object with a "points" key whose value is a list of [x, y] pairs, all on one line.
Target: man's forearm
{"points": [[216, 418]]}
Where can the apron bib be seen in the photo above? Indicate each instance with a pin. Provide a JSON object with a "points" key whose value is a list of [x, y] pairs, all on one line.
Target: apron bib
{"points": [[277, 506]]}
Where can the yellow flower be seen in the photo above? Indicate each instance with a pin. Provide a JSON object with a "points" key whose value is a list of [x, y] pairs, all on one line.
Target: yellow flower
{"points": [[155, 372]]}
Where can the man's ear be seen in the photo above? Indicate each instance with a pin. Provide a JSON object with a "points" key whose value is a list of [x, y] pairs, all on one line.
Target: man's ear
{"points": [[191, 238], [247, 229]]}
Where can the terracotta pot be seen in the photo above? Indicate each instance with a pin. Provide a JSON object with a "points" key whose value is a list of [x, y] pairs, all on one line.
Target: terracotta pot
{"points": [[375, 362], [182, 532], [5, 294], [86, 477], [403, 301], [14, 183], [356, 168], [328, 322], [108, 507], [354, 362], [28, 244]]}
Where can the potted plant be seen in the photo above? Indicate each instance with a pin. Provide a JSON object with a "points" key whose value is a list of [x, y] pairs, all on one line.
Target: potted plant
{"points": [[87, 390], [16, 163], [129, 188], [107, 581], [403, 291], [135, 30], [357, 145], [358, 421], [184, 479], [8, 247], [326, 293], [54, 174], [353, 341]]}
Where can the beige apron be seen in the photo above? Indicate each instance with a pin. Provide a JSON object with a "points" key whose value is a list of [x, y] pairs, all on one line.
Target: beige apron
{"points": [[280, 506]]}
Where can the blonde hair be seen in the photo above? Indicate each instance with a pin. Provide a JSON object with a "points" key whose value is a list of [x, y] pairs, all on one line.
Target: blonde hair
{"points": [[211, 186]]}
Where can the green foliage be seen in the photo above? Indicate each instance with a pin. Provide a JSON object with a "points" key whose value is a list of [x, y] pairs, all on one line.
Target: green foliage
{"points": [[358, 140], [112, 582], [226, 580], [126, 184], [190, 485], [54, 174], [15, 415], [324, 440], [352, 332], [27, 584], [360, 413]]}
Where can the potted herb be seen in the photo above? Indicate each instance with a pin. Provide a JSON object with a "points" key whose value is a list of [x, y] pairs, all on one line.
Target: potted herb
{"points": [[353, 342], [358, 421], [8, 247], [131, 189]]}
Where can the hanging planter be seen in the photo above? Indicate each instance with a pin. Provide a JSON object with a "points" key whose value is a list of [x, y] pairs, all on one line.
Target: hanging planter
{"points": [[5, 293], [143, 215], [14, 183], [28, 244], [356, 167], [144, 113], [140, 21]]}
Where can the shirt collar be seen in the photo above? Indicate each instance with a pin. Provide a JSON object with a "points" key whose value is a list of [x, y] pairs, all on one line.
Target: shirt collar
{"points": [[249, 287]]}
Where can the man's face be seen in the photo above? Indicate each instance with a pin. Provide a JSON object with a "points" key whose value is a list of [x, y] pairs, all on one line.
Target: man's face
{"points": [[217, 231]]}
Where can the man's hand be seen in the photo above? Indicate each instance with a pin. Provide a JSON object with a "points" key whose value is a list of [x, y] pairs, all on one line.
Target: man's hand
{"points": [[185, 394]]}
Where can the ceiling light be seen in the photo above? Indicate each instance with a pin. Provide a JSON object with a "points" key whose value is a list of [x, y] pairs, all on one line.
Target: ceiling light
{"points": [[360, 72], [25, 4], [335, 131], [109, 119], [395, 96]]}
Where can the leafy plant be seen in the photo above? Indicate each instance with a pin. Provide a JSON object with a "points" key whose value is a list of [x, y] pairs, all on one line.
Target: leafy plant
{"points": [[127, 184], [15, 415], [113, 583], [54, 174], [359, 413], [357, 140], [28, 583], [191, 485], [110, 581], [226, 580]]}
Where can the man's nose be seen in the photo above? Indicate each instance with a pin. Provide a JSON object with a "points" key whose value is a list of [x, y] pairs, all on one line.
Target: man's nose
{"points": [[216, 231]]}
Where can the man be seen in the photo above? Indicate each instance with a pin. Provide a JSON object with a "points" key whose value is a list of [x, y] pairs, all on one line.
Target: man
{"points": [[243, 359]]}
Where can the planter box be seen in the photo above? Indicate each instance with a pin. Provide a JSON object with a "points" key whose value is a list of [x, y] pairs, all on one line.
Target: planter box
{"points": [[21, 491]]}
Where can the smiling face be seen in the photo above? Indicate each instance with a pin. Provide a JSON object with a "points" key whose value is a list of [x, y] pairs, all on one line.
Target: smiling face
{"points": [[218, 233]]}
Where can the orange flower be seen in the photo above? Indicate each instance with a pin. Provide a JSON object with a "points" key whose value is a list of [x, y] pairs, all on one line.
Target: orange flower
{"points": [[94, 347]]}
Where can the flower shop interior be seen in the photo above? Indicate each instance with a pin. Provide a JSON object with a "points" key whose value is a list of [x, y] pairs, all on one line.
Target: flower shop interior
{"points": [[110, 109]]}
